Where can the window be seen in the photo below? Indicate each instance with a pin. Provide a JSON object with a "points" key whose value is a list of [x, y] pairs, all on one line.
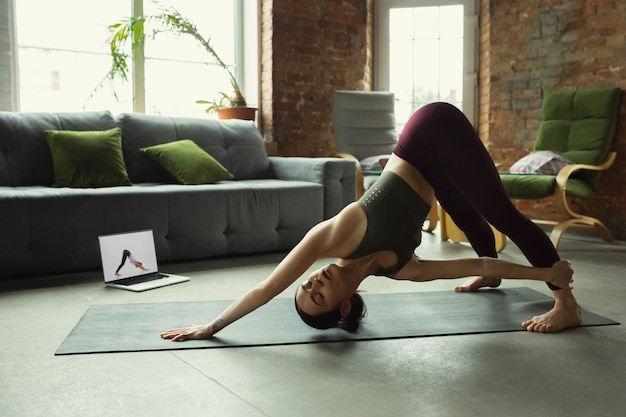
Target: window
{"points": [[426, 52], [63, 56]]}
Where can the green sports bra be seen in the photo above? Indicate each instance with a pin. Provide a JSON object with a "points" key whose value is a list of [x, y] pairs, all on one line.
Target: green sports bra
{"points": [[395, 214]]}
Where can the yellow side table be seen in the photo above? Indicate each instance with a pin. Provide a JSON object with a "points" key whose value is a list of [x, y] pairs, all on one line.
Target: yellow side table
{"points": [[450, 231]]}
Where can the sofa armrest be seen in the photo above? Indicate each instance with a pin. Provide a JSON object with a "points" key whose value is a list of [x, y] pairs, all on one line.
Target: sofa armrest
{"points": [[338, 176], [360, 190]]}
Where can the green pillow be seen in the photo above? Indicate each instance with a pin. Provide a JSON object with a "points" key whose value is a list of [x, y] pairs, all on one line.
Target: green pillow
{"points": [[187, 162], [87, 158]]}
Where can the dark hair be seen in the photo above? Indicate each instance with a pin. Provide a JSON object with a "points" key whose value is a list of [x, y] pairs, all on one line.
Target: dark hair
{"points": [[333, 318]]}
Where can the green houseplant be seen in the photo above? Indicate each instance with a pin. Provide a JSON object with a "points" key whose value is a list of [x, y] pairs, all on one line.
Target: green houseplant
{"points": [[133, 31]]}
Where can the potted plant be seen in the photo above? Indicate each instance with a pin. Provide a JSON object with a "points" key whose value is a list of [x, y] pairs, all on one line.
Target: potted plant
{"points": [[168, 20]]}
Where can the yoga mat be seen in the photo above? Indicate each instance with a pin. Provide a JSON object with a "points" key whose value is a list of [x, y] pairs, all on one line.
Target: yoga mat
{"points": [[137, 327]]}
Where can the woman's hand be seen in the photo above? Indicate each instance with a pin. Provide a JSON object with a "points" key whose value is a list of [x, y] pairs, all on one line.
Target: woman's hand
{"points": [[562, 274], [194, 332]]}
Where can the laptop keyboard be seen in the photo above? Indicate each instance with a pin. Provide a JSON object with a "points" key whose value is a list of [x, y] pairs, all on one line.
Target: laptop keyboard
{"points": [[140, 279]]}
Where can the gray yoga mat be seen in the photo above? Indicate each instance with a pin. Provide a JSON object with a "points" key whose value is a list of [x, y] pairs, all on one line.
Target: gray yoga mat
{"points": [[137, 327]]}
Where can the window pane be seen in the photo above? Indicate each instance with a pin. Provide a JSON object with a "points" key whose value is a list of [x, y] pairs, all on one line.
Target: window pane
{"points": [[213, 22], [172, 88], [401, 70], [62, 57], [426, 22], [451, 14], [52, 80], [402, 27], [67, 24], [179, 70], [451, 78], [426, 81]]}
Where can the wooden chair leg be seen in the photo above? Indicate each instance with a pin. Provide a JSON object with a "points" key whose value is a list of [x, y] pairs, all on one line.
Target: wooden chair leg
{"points": [[443, 223], [584, 222], [432, 218], [500, 239], [562, 204], [450, 231]]}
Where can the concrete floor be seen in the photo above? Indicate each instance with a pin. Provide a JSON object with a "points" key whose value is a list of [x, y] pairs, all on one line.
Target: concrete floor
{"points": [[581, 372]]}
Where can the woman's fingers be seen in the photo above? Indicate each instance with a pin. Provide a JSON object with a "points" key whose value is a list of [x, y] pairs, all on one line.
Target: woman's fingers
{"points": [[186, 333], [173, 333]]}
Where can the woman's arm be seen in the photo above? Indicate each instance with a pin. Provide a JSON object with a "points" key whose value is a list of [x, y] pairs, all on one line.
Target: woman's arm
{"points": [[329, 238], [287, 271], [560, 274]]}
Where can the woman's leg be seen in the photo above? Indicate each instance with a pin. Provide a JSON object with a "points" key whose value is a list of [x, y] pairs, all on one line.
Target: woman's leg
{"points": [[445, 148], [125, 255], [442, 144], [469, 220]]}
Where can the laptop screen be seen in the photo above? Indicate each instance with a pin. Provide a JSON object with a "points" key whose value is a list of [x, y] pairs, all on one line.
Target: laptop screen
{"points": [[127, 255]]}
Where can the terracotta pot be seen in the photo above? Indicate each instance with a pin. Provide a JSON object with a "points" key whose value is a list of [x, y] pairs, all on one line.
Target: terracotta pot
{"points": [[243, 113]]}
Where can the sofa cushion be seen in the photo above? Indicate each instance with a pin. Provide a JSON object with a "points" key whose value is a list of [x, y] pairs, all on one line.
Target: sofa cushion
{"points": [[187, 162], [87, 158], [24, 154], [531, 187], [236, 144], [374, 163]]}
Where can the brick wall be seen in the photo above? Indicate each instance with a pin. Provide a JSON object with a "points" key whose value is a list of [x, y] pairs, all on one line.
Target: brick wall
{"points": [[543, 45], [309, 49]]}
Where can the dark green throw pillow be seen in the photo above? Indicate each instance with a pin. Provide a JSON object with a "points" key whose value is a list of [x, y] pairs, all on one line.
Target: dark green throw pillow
{"points": [[87, 158], [187, 162]]}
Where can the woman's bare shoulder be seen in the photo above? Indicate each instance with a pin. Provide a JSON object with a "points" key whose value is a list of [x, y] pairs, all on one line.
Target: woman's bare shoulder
{"points": [[341, 234]]}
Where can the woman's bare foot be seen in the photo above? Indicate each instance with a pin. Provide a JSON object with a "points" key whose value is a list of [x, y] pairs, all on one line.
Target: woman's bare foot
{"points": [[476, 283], [564, 315]]}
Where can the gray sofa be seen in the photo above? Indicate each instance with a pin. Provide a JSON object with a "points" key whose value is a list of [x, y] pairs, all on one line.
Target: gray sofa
{"points": [[268, 206]]}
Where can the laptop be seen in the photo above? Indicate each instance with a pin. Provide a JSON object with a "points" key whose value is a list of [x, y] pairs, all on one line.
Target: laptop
{"points": [[129, 262]]}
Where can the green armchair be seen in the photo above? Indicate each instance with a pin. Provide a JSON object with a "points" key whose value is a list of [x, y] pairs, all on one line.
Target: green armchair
{"points": [[579, 126]]}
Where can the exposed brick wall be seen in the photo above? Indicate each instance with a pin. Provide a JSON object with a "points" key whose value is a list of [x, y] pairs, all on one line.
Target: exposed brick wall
{"points": [[309, 49], [534, 46]]}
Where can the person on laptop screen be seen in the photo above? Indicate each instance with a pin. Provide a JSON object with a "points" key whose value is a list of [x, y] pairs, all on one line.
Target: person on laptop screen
{"points": [[438, 154], [126, 254]]}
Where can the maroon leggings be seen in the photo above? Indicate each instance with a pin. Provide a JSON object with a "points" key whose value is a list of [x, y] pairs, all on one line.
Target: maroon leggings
{"points": [[442, 144]]}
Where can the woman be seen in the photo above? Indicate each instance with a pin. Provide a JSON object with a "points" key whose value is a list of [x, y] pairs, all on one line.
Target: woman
{"points": [[438, 154], [127, 255]]}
